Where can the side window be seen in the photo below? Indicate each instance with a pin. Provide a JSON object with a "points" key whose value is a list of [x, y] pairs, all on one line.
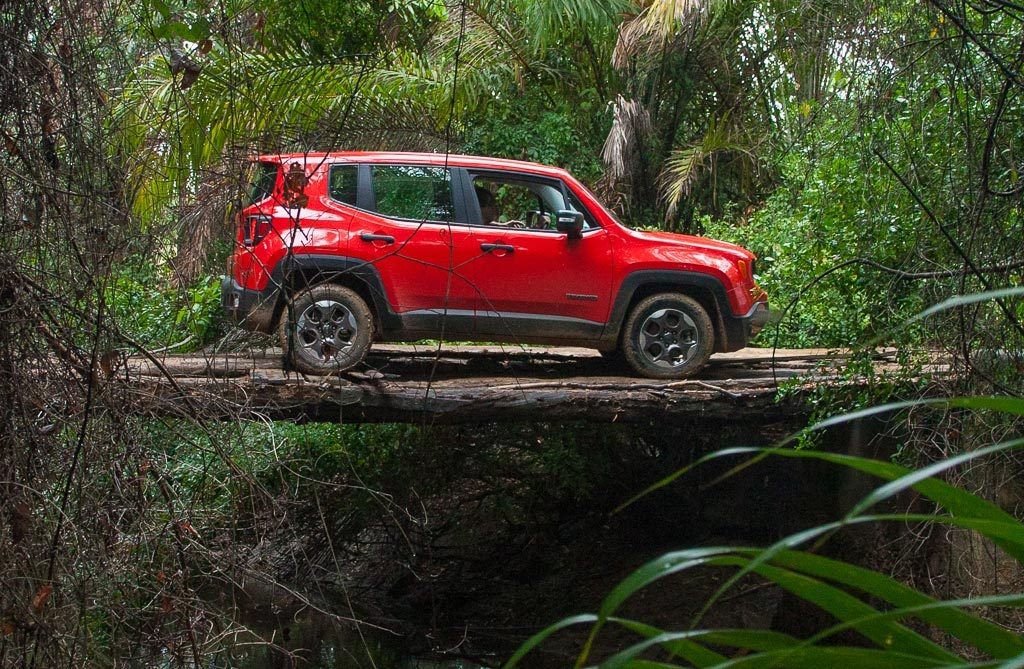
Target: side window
{"points": [[262, 178], [342, 185], [413, 192], [512, 201]]}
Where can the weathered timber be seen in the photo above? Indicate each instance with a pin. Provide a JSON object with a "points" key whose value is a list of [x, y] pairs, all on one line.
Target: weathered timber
{"points": [[458, 384]]}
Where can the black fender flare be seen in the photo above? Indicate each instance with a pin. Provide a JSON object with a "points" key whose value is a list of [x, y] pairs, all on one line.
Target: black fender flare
{"points": [[729, 330], [316, 268]]}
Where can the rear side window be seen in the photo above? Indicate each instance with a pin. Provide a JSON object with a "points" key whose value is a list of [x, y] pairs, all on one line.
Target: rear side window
{"points": [[262, 179], [343, 183], [413, 192]]}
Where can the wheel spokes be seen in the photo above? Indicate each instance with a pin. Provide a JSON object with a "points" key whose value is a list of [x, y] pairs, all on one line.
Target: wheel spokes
{"points": [[668, 337], [326, 329], [310, 337]]}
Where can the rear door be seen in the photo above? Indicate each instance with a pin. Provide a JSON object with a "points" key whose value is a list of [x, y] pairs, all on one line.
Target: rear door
{"points": [[412, 235]]}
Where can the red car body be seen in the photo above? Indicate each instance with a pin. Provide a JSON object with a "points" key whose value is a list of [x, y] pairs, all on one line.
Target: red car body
{"points": [[317, 217]]}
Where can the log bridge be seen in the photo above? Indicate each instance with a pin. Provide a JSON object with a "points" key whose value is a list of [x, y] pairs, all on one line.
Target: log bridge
{"points": [[475, 384]]}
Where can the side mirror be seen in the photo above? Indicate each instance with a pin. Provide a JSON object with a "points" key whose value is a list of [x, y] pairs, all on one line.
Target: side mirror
{"points": [[570, 222]]}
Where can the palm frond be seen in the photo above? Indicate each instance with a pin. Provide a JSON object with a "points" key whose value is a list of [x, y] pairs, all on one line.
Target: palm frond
{"points": [[685, 165], [261, 102], [681, 170], [661, 24], [631, 125], [551, 20]]}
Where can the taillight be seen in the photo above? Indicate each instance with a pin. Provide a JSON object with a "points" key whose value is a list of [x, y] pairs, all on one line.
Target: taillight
{"points": [[255, 228]]}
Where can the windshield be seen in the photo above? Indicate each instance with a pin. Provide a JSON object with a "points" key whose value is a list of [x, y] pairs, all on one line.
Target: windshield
{"points": [[262, 180]]}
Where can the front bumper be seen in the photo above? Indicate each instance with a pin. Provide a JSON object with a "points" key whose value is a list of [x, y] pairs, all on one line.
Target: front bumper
{"points": [[250, 309], [737, 331], [759, 316]]}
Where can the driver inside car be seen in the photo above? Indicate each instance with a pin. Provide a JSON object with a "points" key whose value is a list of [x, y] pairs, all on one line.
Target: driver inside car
{"points": [[489, 211]]}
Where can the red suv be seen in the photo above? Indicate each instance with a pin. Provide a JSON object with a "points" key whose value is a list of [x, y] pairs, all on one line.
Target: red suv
{"points": [[337, 250]]}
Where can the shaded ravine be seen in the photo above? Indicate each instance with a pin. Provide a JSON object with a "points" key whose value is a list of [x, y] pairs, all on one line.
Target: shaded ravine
{"points": [[493, 556]]}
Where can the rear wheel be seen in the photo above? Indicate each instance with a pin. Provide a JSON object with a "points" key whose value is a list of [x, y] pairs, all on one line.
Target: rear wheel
{"points": [[668, 336], [326, 329]]}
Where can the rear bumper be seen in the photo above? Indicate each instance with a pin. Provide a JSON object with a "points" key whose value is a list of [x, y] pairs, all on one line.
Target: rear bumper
{"points": [[250, 309]]}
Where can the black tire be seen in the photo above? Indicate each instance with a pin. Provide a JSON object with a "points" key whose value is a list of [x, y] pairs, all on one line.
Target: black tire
{"points": [[667, 336], [325, 329]]}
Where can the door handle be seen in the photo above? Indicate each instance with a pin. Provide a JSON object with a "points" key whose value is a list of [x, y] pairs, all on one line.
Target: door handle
{"points": [[487, 248], [371, 237]]}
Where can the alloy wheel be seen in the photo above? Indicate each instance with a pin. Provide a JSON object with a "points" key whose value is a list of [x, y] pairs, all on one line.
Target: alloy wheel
{"points": [[668, 338], [326, 329]]}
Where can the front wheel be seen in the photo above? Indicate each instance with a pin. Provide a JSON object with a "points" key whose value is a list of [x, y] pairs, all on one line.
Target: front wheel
{"points": [[667, 336], [326, 329]]}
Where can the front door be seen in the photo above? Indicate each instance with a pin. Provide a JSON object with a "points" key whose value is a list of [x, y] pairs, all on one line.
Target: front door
{"points": [[530, 281]]}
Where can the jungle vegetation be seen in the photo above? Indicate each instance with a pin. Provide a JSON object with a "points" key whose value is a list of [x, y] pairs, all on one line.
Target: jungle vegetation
{"points": [[869, 151]]}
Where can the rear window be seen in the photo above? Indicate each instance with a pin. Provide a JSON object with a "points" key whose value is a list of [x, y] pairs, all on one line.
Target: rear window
{"points": [[413, 192], [343, 183], [262, 180]]}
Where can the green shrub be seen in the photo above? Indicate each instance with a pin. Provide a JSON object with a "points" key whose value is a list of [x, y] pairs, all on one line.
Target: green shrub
{"points": [[145, 308]]}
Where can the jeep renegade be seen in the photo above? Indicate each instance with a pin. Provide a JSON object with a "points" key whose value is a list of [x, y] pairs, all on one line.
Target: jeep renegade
{"points": [[337, 250]]}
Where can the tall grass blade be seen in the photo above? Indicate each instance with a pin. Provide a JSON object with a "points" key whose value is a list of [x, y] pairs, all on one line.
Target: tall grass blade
{"points": [[846, 607], [964, 300], [983, 635], [757, 640], [837, 657], [542, 635]]}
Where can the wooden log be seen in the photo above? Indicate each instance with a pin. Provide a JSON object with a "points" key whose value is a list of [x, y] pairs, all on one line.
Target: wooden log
{"points": [[444, 403], [469, 385]]}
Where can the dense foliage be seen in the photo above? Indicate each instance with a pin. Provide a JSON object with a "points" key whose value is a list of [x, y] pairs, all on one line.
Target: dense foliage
{"points": [[870, 144], [868, 152]]}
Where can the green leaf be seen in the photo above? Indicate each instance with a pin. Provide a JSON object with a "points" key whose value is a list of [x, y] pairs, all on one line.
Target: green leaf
{"points": [[1016, 663], [692, 652], [952, 606], [161, 7], [172, 29], [813, 657], [540, 636], [640, 578], [836, 601], [964, 300], [985, 636], [199, 30], [951, 498], [845, 607], [955, 497], [759, 640]]}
